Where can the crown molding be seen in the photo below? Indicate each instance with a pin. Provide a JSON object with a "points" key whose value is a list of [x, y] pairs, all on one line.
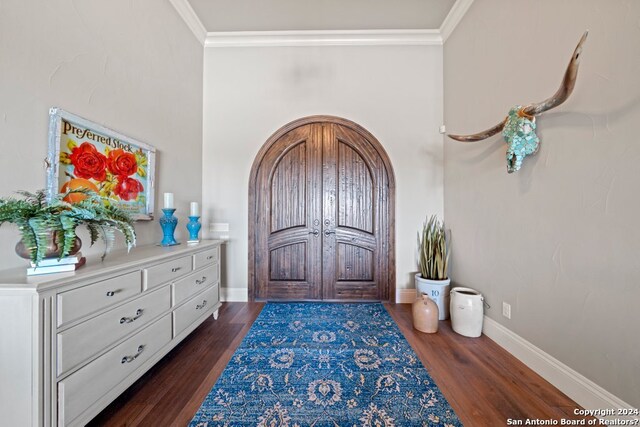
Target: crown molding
{"points": [[453, 18], [323, 38], [190, 18], [320, 37]]}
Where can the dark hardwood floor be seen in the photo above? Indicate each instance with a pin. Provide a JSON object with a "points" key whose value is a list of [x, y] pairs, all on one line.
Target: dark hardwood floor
{"points": [[484, 384]]}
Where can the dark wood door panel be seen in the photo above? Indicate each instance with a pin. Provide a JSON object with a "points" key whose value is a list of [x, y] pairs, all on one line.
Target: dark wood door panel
{"points": [[358, 291], [323, 215], [288, 189], [289, 291], [356, 237], [354, 263], [355, 190], [286, 248], [351, 249], [288, 263]]}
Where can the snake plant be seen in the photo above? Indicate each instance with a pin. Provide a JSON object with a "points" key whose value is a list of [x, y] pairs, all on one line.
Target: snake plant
{"points": [[433, 250], [37, 217]]}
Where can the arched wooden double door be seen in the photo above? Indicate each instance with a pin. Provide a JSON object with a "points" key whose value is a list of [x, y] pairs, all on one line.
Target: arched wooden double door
{"points": [[321, 203]]}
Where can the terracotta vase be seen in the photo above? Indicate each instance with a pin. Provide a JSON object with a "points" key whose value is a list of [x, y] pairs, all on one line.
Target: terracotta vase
{"points": [[52, 248], [425, 314]]}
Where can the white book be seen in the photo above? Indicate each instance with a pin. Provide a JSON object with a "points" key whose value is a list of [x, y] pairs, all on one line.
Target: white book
{"points": [[48, 262], [35, 271]]}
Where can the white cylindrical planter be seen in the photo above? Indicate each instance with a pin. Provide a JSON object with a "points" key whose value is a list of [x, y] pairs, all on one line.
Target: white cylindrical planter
{"points": [[438, 291], [467, 311]]}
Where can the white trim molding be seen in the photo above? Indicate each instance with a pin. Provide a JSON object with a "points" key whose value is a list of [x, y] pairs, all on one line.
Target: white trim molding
{"points": [[323, 38], [582, 390], [190, 18], [453, 18], [234, 294]]}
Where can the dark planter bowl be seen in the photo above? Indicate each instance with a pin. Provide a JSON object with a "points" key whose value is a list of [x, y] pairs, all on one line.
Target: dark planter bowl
{"points": [[52, 248]]}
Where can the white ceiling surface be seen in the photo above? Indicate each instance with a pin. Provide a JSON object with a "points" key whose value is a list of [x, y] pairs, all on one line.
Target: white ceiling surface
{"points": [[304, 15]]}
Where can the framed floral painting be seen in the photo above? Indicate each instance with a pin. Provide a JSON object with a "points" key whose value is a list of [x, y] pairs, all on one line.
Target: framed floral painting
{"points": [[83, 154]]}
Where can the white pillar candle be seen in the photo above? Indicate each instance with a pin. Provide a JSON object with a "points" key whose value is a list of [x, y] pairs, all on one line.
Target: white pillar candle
{"points": [[168, 200], [194, 209]]}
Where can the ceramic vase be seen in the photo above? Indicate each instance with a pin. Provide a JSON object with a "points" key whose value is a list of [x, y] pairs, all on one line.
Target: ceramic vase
{"points": [[425, 314], [438, 291], [168, 223], [194, 228], [467, 312]]}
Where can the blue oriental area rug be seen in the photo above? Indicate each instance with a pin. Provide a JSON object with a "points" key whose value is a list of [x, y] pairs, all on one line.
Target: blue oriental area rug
{"points": [[314, 364]]}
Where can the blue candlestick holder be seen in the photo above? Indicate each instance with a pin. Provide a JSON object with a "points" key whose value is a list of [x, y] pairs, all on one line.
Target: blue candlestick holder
{"points": [[168, 223], [194, 228]]}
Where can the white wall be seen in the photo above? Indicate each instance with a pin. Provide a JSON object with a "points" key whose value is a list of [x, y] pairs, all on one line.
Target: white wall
{"points": [[132, 66], [558, 240], [393, 91]]}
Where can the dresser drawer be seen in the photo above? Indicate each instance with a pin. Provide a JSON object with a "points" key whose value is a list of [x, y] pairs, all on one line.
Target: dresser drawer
{"points": [[79, 302], [208, 257], [167, 271], [83, 388], [194, 283], [194, 308], [88, 338]]}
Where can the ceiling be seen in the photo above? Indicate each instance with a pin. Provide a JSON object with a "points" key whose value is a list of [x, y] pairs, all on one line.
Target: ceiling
{"points": [[284, 15]]}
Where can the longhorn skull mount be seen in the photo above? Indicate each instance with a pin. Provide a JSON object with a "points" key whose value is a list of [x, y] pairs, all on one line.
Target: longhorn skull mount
{"points": [[519, 127]]}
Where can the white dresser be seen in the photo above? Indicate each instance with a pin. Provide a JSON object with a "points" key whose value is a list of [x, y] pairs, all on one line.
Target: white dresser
{"points": [[70, 343]]}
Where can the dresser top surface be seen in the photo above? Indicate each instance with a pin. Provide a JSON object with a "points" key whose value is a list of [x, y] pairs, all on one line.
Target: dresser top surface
{"points": [[17, 279]]}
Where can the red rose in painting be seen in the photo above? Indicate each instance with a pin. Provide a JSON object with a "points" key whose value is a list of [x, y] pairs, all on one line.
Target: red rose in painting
{"points": [[122, 163], [128, 188], [88, 162]]}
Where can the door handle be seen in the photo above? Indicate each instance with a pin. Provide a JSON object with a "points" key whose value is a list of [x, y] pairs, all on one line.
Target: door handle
{"points": [[315, 232], [328, 232]]}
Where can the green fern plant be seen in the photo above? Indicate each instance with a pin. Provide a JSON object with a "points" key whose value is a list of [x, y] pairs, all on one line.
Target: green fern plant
{"points": [[37, 217], [433, 250]]}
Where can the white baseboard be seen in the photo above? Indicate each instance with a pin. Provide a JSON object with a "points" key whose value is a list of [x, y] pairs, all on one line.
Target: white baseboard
{"points": [[405, 296], [234, 294], [582, 390]]}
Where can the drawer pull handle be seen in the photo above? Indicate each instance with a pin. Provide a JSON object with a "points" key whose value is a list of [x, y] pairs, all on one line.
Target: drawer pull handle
{"points": [[112, 293], [201, 281], [201, 306], [174, 269], [210, 257], [129, 359], [131, 319]]}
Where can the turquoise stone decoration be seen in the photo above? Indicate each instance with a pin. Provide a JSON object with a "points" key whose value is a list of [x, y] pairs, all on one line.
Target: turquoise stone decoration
{"points": [[168, 223], [520, 133], [194, 228]]}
